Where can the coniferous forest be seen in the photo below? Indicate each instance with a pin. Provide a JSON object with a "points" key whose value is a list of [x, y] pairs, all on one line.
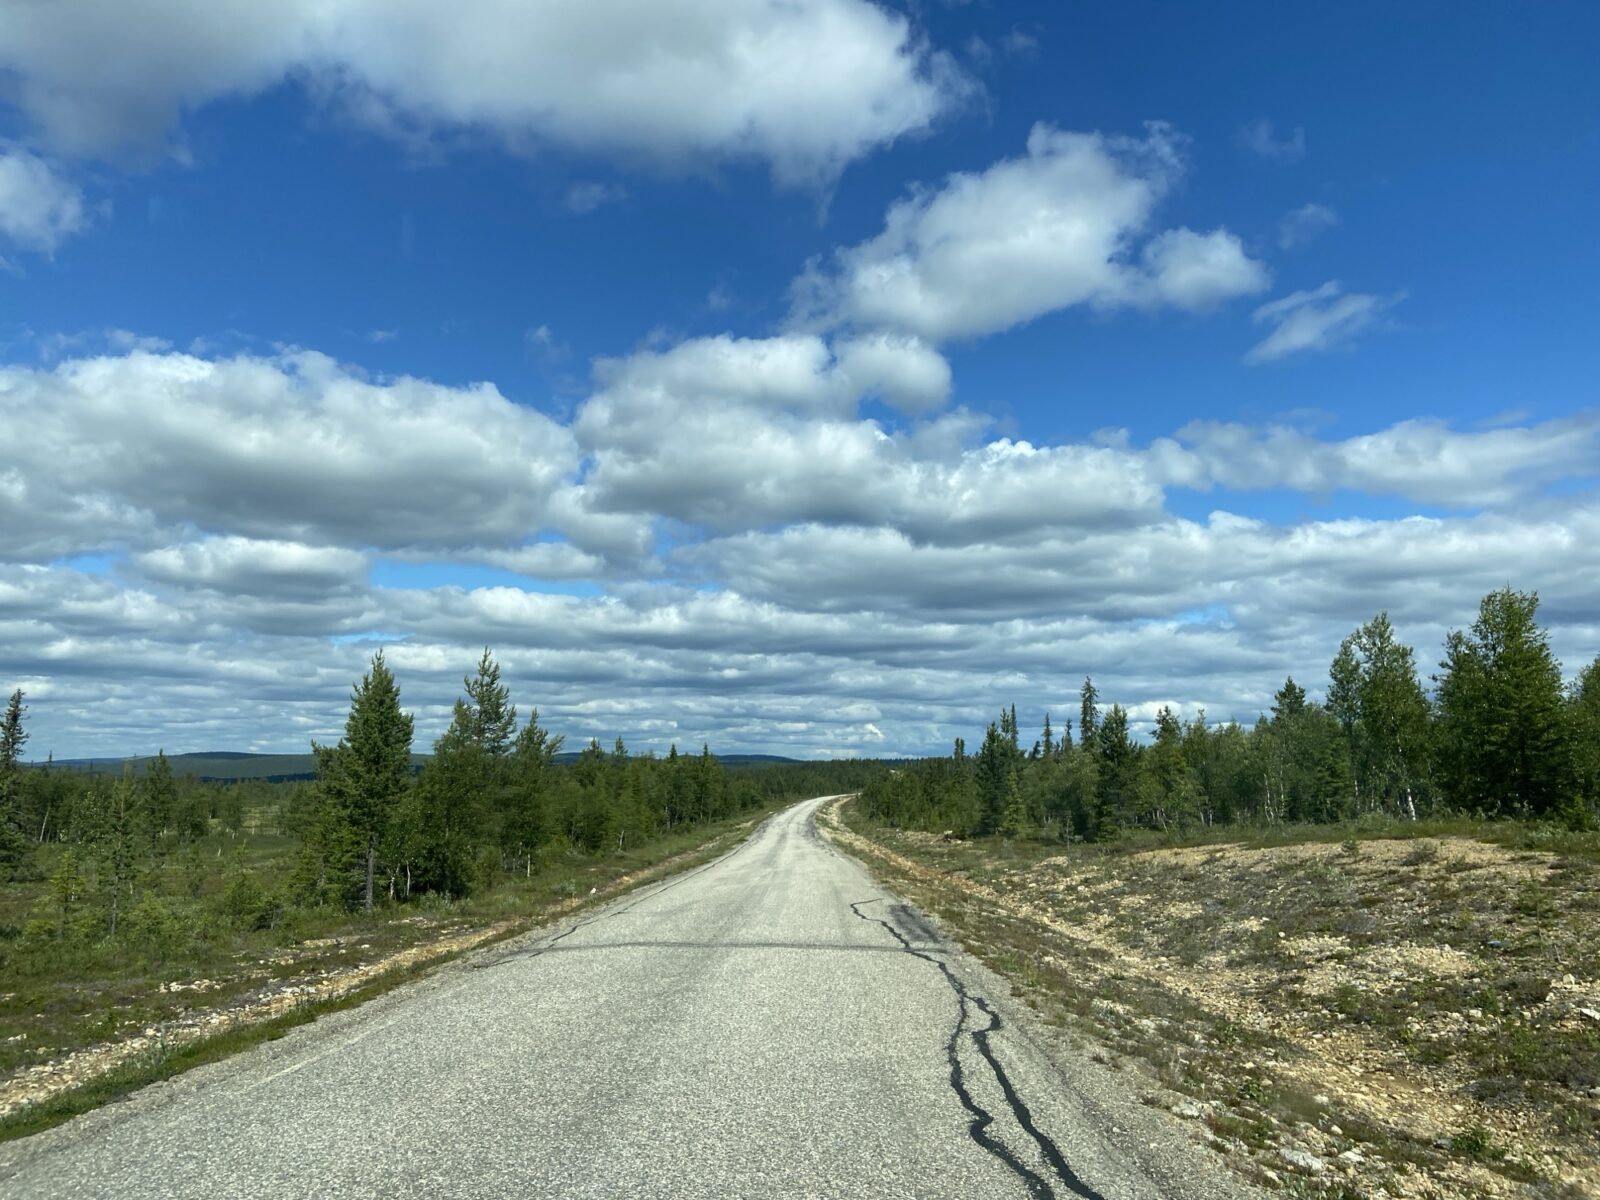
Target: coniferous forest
{"points": [[149, 858], [1496, 735]]}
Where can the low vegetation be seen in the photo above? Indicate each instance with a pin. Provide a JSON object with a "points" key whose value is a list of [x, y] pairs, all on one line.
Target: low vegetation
{"points": [[1377, 1009]]}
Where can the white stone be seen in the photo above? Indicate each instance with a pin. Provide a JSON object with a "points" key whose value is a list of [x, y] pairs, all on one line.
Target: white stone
{"points": [[1301, 1160]]}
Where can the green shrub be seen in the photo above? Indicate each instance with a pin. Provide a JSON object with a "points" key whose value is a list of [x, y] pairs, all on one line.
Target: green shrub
{"points": [[152, 925], [246, 905]]}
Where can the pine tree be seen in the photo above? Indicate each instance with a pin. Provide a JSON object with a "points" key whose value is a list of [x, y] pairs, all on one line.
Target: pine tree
{"points": [[1291, 753], [1289, 701], [1048, 741], [491, 717]]}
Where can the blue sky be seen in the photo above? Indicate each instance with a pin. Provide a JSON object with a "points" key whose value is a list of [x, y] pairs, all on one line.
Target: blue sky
{"points": [[911, 347]]}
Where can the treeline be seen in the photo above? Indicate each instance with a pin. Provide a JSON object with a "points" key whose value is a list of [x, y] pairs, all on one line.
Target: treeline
{"points": [[1497, 736], [491, 798], [492, 803]]}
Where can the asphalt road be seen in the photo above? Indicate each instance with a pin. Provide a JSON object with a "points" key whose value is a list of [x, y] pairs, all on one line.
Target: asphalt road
{"points": [[772, 1024]]}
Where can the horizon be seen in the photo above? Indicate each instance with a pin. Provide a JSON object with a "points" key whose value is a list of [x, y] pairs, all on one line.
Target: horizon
{"points": [[811, 379]]}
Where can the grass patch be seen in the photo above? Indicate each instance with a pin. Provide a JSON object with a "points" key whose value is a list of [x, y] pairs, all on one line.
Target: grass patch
{"points": [[163, 1062]]}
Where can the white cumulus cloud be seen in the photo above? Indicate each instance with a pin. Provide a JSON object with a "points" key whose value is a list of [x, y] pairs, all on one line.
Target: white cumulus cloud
{"points": [[122, 448], [807, 85], [1060, 226]]}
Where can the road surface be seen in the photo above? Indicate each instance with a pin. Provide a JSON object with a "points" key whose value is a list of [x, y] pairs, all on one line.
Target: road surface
{"points": [[772, 1024]]}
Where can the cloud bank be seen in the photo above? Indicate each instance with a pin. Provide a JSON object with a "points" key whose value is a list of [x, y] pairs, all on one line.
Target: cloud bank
{"points": [[720, 544], [806, 86]]}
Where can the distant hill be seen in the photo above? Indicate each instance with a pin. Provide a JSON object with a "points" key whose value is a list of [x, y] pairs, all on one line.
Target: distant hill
{"points": [[727, 760], [229, 766], [211, 766]]}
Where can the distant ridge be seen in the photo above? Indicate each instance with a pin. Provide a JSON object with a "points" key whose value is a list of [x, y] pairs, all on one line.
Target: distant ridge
{"points": [[231, 766], [211, 766]]}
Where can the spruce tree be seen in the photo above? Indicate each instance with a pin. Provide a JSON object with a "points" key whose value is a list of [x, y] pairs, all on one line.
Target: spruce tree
{"points": [[994, 760], [1583, 726], [364, 777], [1374, 693], [1088, 714], [160, 797], [1502, 717], [1013, 817], [12, 737], [1115, 782], [116, 839], [525, 818], [1168, 790], [13, 841]]}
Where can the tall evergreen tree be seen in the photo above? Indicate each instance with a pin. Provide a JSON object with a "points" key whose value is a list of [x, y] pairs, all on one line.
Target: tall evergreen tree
{"points": [[526, 818], [160, 797], [1502, 717], [1374, 693], [115, 829], [1289, 701], [1088, 714], [13, 839], [1168, 790], [993, 761], [364, 777], [1115, 783], [1583, 725], [490, 720], [1013, 816]]}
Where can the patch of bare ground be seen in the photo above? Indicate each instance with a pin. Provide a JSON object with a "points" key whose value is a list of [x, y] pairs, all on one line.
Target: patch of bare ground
{"points": [[1401, 1017]]}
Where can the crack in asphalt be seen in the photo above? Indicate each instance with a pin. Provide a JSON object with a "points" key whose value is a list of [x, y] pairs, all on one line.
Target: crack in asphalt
{"points": [[982, 1119]]}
